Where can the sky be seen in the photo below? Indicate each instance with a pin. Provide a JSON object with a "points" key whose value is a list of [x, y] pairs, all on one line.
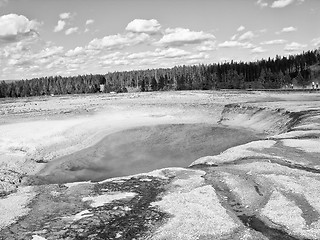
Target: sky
{"points": [[71, 37]]}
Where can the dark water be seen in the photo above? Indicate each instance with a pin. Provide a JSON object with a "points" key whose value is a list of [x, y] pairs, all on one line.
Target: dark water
{"points": [[144, 149]]}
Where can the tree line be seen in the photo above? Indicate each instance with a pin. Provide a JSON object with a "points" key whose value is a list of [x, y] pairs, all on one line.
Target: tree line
{"points": [[272, 73]]}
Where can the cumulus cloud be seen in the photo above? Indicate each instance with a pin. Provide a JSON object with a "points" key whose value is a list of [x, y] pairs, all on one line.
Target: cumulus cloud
{"points": [[65, 15], [294, 46], [183, 36], [261, 3], [114, 55], [151, 26], [118, 41], [207, 46], [163, 53], [75, 52], [274, 42], [234, 37], [116, 62], [34, 59], [241, 28], [247, 36], [13, 49], [13, 26], [89, 21], [172, 53], [60, 26], [159, 57], [30, 59], [316, 42], [49, 52], [19, 55], [19, 62], [62, 22], [258, 50], [289, 29], [248, 45], [71, 30], [231, 44], [281, 3]]}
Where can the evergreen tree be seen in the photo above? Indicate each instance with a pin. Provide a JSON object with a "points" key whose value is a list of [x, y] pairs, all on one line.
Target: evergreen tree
{"points": [[154, 84]]}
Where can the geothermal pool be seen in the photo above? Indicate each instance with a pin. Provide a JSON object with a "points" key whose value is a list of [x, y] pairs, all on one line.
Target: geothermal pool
{"points": [[144, 149]]}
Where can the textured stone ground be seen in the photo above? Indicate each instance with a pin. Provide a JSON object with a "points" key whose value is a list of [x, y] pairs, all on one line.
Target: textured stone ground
{"points": [[265, 189]]}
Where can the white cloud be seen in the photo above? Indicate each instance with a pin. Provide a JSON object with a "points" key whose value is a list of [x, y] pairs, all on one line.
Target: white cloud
{"points": [[258, 50], [183, 36], [294, 46], [75, 52], [159, 57], [207, 46], [30, 59], [261, 3], [116, 62], [234, 37], [56, 63], [64, 20], [65, 15], [13, 26], [19, 54], [172, 53], [289, 29], [281, 3], [114, 55], [142, 55], [89, 21], [49, 52], [274, 42], [118, 41], [248, 45], [198, 56], [241, 28], [71, 30], [12, 50], [247, 36], [60, 26], [229, 44], [160, 53], [144, 26], [19, 62], [316, 42]]}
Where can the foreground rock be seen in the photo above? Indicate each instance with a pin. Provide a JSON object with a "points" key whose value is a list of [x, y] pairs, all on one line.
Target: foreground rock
{"points": [[265, 189]]}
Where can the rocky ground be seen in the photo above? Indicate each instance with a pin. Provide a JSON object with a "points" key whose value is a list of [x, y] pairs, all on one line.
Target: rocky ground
{"points": [[264, 189]]}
